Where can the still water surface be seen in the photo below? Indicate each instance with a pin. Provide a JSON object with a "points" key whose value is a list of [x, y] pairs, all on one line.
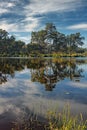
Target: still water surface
{"points": [[38, 85]]}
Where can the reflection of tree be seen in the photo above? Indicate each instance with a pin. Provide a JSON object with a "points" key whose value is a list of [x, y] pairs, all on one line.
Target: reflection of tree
{"points": [[3, 78], [53, 71], [8, 68], [45, 71], [73, 71]]}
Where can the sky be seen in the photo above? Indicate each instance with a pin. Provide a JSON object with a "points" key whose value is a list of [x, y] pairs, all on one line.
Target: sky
{"points": [[21, 17]]}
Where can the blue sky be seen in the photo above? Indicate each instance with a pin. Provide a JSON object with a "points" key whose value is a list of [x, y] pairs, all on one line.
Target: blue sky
{"points": [[21, 17]]}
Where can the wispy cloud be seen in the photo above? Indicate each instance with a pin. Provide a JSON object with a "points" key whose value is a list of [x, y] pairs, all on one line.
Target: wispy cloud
{"points": [[46, 6], [30, 9], [82, 26], [5, 7], [8, 26], [7, 4], [78, 85], [18, 27], [41, 8]]}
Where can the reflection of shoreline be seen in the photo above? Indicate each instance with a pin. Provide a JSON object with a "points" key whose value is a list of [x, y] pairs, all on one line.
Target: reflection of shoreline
{"points": [[55, 71], [3, 78], [46, 71]]}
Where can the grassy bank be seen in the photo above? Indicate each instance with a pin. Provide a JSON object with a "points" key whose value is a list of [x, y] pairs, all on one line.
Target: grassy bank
{"points": [[55, 54], [64, 55]]}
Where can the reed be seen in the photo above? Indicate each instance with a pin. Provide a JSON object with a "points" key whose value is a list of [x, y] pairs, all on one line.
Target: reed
{"points": [[54, 121]]}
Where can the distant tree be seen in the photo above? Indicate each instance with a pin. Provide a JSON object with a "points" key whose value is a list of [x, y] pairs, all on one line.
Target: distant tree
{"points": [[37, 41], [51, 33], [74, 41], [12, 39], [38, 37], [3, 41], [3, 34], [60, 42], [9, 46]]}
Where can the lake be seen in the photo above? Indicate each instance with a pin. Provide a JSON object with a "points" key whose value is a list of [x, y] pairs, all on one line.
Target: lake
{"points": [[37, 85]]}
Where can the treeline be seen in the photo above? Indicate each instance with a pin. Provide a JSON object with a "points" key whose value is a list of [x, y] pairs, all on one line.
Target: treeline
{"points": [[46, 41], [51, 41], [9, 46]]}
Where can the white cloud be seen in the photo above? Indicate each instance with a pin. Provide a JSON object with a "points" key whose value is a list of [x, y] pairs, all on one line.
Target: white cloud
{"points": [[27, 25], [17, 27], [31, 23], [3, 10], [82, 26], [8, 26], [5, 6], [46, 6], [36, 7], [78, 84]]}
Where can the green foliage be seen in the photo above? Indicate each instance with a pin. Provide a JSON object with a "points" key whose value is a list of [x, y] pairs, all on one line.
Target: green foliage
{"points": [[45, 41], [9, 46], [50, 40]]}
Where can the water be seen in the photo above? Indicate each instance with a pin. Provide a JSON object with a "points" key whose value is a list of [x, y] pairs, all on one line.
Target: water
{"points": [[38, 85]]}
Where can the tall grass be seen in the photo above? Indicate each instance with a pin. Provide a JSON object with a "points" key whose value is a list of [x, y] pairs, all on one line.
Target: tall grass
{"points": [[65, 121], [54, 121]]}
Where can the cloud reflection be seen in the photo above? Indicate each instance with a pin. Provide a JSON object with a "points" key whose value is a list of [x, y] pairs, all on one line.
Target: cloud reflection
{"points": [[17, 94]]}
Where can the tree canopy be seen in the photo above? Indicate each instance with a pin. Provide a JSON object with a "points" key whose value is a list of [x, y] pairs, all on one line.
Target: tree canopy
{"points": [[45, 41], [56, 41]]}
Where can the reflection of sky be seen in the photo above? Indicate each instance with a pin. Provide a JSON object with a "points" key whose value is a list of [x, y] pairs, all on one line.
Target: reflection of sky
{"points": [[20, 93], [25, 74], [84, 66]]}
